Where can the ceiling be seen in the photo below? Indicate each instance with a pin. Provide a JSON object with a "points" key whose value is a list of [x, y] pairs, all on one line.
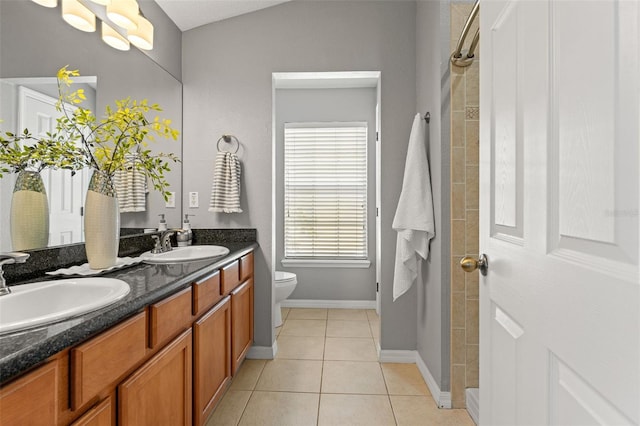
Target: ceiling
{"points": [[188, 14]]}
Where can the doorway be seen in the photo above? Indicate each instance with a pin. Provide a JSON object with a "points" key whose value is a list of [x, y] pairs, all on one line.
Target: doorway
{"points": [[292, 94]]}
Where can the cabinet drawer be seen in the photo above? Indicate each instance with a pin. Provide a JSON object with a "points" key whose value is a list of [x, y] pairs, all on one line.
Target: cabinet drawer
{"points": [[102, 360], [206, 293], [246, 267], [32, 399], [230, 277], [169, 317]]}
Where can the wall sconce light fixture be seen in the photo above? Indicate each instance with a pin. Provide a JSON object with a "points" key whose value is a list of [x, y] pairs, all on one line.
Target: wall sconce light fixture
{"points": [[142, 37], [78, 16], [125, 14], [114, 38]]}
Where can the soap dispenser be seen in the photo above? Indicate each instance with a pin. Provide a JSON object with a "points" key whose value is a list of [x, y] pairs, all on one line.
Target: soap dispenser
{"points": [[162, 225], [185, 235]]}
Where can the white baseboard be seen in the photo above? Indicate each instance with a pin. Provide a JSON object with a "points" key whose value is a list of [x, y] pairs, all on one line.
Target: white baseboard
{"points": [[473, 403], [443, 399], [263, 352], [333, 304], [405, 357]]}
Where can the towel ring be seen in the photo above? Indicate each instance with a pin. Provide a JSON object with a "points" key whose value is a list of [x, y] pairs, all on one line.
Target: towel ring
{"points": [[228, 139]]}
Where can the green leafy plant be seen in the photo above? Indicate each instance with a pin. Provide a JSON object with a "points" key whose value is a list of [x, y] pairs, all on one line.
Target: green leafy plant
{"points": [[24, 151], [120, 139]]}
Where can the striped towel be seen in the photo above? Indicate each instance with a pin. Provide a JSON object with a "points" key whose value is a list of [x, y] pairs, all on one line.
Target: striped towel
{"points": [[131, 188], [225, 194]]}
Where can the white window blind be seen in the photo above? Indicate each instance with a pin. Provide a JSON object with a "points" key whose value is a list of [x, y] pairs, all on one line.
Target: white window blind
{"points": [[325, 192]]}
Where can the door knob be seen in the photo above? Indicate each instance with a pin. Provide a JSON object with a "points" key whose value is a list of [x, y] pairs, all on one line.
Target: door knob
{"points": [[469, 264]]}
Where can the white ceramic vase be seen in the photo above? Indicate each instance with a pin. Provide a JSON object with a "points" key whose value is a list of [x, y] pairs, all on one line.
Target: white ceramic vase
{"points": [[101, 222], [29, 212]]}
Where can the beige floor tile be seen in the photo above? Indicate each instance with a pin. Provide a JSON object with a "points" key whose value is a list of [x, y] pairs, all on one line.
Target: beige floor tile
{"points": [[350, 349], [375, 328], [230, 409], [353, 377], [307, 313], [285, 313], [291, 375], [348, 314], [341, 328], [354, 410], [422, 410], [372, 315], [300, 347], [404, 379], [247, 376], [281, 409], [278, 330], [294, 327]]}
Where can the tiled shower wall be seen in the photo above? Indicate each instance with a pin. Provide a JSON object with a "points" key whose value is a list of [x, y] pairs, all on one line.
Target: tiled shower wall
{"points": [[464, 213]]}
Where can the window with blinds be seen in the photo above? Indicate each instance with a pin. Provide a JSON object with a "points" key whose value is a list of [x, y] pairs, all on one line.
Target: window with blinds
{"points": [[325, 190]]}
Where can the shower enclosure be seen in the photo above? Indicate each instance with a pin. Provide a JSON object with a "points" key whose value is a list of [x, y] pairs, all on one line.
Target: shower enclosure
{"points": [[464, 68]]}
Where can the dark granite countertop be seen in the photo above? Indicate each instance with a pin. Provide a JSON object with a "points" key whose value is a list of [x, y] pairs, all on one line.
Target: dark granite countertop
{"points": [[20, 351]]}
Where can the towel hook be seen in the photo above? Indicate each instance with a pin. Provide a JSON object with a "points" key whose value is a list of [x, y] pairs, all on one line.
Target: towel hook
{"points": [[427, 117], [228, 139]]}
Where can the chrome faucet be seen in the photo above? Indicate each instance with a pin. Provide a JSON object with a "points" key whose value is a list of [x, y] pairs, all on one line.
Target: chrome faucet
{"points": [[163, 241], [6, 259]]}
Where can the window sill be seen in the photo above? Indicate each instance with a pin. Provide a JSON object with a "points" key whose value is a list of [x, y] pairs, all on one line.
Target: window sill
{"points": [[311, 263]]}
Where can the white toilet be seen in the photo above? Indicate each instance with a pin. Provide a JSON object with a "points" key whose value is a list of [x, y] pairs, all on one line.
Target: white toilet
{"points": [[285, 284]]}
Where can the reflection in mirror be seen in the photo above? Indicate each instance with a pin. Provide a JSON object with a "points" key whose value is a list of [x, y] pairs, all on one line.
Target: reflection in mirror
{"points": [[34, 44], [30, 104]]}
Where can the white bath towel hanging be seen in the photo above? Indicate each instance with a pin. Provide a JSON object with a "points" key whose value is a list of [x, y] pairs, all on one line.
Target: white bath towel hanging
{"points": [[225, 193], [414, 216], [130, 184]]}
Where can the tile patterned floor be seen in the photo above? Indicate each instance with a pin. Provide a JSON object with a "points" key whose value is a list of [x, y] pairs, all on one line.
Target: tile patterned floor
{"points": [[326, 373]]}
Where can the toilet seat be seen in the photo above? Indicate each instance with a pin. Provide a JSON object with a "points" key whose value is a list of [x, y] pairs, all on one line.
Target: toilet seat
{"points": [[284, 278]]}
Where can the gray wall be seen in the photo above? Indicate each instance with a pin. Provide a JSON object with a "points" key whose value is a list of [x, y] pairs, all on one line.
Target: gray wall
{"points": [[432, 87], [36, 42], [167, 43], [227, 77], [311, 105]]}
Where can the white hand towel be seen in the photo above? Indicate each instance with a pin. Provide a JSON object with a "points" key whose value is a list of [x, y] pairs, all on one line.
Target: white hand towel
{"points": [[414, 216], [225, 193]]}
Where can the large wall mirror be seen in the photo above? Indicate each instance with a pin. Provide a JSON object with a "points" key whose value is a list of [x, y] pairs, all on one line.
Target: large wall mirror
{"points": [[34, 43]]}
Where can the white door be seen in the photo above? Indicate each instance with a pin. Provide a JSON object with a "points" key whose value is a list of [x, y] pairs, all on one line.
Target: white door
{"points": [[559, 212], [37, 112]]}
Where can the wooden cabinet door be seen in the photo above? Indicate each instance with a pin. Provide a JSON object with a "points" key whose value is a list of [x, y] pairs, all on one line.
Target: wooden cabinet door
{"points": [[100, 415], [212, 359], [241, 323], [32, 399], [159, 392]]}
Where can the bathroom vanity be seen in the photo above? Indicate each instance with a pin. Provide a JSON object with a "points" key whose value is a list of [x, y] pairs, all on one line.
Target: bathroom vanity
{"points": [[162, 355]]}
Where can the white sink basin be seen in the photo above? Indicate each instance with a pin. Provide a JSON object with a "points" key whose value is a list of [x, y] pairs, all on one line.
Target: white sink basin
{"points": [[185, 254], [44, 302]]}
